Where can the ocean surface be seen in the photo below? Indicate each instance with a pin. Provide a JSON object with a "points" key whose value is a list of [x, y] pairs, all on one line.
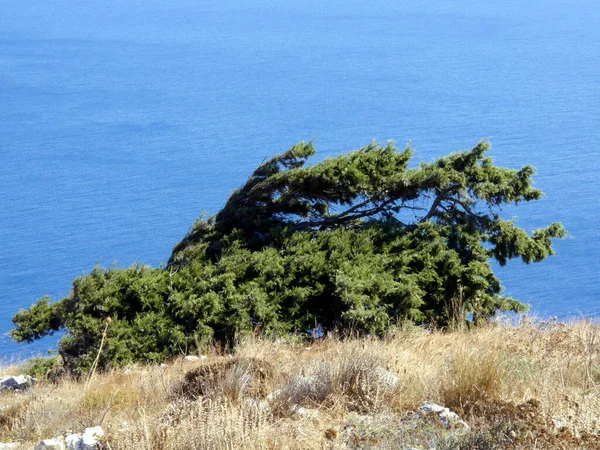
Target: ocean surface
{"points": [[121, 122]]}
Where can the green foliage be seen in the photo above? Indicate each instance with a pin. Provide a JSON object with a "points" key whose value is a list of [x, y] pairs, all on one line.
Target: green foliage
{"points": [[357, 243], [40, 320], [41, 368], [133, 299]]}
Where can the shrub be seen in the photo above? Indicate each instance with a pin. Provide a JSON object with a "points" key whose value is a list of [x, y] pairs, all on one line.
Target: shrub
{"points": [[41, 368], [232, 379], [353, 244]]}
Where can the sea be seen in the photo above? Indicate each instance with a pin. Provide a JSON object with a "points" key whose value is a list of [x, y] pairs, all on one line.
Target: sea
{"points": [[121, 122]]}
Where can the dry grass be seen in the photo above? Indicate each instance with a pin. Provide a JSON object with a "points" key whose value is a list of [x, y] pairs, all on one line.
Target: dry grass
{"points": [[512, 383]]}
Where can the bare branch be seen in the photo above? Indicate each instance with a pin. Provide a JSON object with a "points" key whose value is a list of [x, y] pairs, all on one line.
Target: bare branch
{"points": [[436, 203]]}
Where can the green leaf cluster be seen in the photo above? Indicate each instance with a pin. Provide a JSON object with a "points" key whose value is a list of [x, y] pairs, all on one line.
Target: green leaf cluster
{"points": [[354, 243]]}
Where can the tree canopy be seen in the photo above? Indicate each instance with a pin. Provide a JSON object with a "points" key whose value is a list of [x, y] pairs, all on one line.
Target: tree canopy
{"points": [[355, 243]]}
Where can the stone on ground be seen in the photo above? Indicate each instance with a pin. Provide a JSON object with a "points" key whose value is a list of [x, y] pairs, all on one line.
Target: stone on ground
{"points": [[444, 415], [16, 382], [88, 440], [57, 443]]}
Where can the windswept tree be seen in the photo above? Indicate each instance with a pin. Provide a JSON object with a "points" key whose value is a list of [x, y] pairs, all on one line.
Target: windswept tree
{"points": [[355, 242]]}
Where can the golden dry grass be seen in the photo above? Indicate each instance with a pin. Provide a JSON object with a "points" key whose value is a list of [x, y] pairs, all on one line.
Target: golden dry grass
{"points": [[484, 374]]}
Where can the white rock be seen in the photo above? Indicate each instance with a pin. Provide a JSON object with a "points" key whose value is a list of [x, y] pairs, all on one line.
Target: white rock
{"points": [[447, 417], [16, 382], [164, 366], [88, 440], [558, 423], [72, 441], [387, 378], [8, 445], [57, 443], [92, 436], [195, 358]]}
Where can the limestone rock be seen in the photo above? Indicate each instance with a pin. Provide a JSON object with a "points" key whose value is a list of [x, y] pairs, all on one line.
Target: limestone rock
{"points": [[558, 423], [195, 358], [16, 382], [8, 445], [444, 415], [88, 440], [57, 443]]}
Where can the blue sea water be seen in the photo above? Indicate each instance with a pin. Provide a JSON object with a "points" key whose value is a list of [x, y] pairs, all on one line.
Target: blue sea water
{"points": [[121, 122]]}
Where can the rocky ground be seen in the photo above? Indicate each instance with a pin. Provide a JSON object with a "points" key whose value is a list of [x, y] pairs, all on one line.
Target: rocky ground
{"points": [[503, 386]]}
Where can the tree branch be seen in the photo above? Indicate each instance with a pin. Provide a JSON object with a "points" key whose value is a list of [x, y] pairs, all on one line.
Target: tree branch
{"points": [[436, 203], [347, 215]]}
